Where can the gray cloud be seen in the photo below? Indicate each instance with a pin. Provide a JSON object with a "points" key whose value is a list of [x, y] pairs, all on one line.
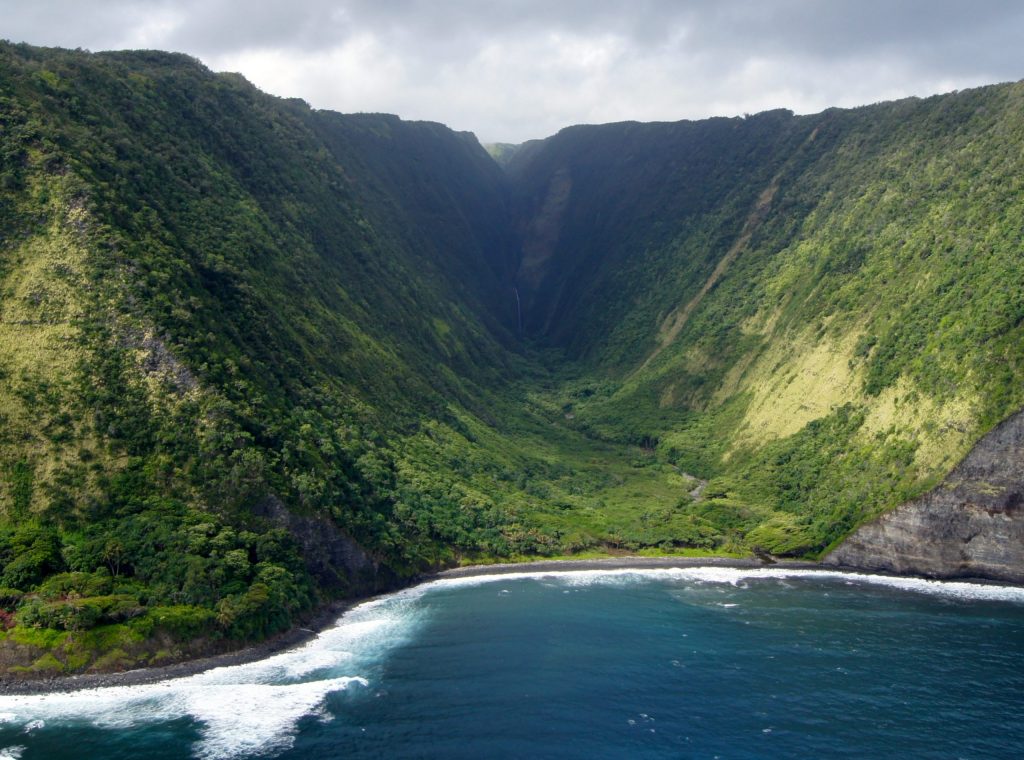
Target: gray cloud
{"points": [[524, 68]]}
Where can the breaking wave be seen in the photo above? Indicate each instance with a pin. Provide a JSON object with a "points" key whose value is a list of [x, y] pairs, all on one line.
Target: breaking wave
{"points": [[962, 590], [241, 709], [255, 708]]}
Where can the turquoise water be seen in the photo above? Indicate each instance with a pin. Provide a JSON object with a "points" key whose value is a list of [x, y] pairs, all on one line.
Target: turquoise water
{"points": [[699, 662]]}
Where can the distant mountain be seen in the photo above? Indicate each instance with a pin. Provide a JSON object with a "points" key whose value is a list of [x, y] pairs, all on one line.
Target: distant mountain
{"points": [[502, 153], [254, 356]]}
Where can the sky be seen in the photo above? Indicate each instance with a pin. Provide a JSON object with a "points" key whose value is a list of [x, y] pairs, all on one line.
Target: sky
{"points": [[514, 70]]}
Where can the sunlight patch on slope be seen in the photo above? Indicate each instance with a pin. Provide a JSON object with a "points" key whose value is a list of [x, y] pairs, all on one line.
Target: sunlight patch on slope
{"points": [[763, 324], [793, 383], [945, 429], [39, 346]]}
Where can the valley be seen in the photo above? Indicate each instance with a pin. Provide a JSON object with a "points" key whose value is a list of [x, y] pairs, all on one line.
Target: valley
{"points": [[255, 357]]}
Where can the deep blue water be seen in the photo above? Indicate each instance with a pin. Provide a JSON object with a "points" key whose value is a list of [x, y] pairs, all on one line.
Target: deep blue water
{"points": [[704, 662]]}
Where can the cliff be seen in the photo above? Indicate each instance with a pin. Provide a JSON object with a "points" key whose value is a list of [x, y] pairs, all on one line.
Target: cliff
{"points": [[971, 525]]}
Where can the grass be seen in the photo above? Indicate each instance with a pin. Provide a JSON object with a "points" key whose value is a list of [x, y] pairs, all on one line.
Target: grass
{"points": [[690, 553], [795, 382]]}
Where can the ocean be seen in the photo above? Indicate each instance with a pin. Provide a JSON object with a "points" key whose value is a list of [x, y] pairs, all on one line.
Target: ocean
{"points": [[651, 663]]}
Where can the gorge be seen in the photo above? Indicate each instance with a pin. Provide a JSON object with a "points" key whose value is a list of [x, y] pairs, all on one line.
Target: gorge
{"points": [[256, 356]]}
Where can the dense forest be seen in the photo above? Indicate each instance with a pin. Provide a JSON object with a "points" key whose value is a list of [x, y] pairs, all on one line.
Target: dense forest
{"points": [[255, 357]]}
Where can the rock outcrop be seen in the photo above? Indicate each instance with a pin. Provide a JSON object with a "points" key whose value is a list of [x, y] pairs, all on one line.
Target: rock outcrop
{"points": [[331, 556], [971, 525]]}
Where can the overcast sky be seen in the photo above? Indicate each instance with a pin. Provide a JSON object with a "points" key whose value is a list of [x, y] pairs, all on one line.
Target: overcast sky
{"points": [[517, 69]]}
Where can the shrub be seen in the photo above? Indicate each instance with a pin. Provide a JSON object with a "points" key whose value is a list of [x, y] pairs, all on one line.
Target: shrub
{"points": [[182, 621]]}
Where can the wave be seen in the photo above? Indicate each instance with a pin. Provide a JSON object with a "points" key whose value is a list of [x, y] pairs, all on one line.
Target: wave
{"points": [[256, 707], [734, 576], [241, 709]]}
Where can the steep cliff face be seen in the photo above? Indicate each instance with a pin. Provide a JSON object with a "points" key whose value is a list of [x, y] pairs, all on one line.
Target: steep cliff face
{"points": [[598, 204], [971, 525], [211, 302]]}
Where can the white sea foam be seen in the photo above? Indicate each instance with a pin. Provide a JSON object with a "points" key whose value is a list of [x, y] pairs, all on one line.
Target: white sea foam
{"points": [[238, 719], [242, 709], [737, 576], [255, 707]]}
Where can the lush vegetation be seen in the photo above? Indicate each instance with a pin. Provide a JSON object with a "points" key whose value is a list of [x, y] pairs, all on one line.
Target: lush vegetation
{"points": [[255, 356], [215, 303], [818, 314]]}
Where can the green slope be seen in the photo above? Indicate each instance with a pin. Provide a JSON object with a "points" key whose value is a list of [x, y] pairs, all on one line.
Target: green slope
{"points": [[255, 356], [216, 304], [824, 337]]}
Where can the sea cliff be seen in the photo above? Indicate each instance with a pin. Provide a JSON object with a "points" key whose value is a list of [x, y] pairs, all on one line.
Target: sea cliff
{"points": [[971, 525]]}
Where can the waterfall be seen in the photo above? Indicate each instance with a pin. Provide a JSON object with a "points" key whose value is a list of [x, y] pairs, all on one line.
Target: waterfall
{"points": [[519, 311]]}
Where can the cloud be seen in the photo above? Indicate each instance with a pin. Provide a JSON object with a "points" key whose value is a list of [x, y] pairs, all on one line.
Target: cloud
{"points": [[524, 68]]}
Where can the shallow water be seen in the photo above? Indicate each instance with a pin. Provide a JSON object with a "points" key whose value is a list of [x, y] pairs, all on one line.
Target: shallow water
{"points": [[654, 663]]}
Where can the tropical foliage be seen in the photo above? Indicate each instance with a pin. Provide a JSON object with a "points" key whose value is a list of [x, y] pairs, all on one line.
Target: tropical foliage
{"points": [[255, 356]]}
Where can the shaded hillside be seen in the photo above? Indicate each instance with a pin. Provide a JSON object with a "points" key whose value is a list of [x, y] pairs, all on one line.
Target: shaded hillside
{"points": [[618, 219], [820, 313]]}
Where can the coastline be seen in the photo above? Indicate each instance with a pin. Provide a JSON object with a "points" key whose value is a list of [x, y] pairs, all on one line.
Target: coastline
{"points": [[290, 639], [329, 615], [609, 563]]}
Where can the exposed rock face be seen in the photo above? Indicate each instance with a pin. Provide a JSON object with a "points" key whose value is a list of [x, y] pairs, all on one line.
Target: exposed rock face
{"points": [[971, 525], [331, 556]]}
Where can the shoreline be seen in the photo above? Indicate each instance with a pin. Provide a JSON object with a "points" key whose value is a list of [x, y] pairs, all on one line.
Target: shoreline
{"points": [[330, 614], [290, 639], [611, 563]]}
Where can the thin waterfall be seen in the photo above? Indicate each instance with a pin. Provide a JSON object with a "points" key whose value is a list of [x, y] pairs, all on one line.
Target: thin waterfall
{"points": [[519, 311]]}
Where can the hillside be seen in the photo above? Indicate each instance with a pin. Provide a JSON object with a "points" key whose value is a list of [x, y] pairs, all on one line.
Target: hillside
{"points": [[220, 309], [254, 356], [821, 314]]}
